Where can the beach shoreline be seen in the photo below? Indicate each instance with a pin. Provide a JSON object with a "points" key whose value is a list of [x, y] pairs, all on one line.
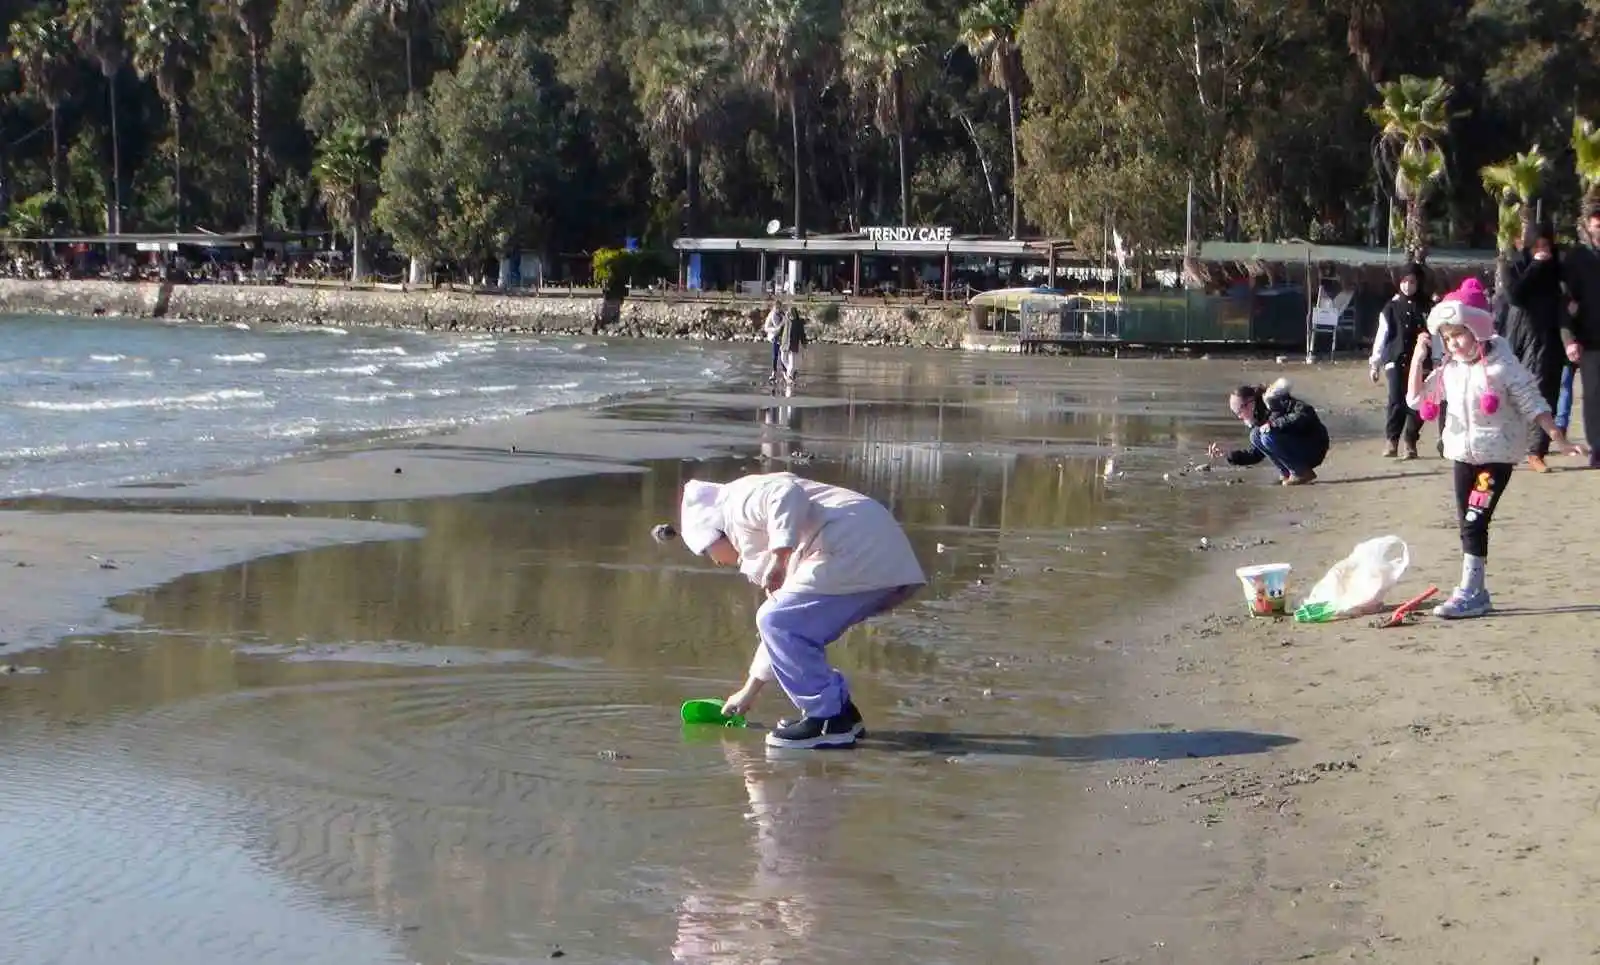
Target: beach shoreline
{"points": [[1426, 795], [929, 324]]}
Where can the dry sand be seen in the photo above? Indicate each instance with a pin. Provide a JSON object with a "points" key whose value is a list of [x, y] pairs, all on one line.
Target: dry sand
{"points": [[1441, 804]]}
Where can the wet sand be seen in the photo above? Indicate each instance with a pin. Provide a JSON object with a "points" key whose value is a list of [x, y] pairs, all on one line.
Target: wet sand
{"points": [[1453, 819], [463, 746], [60, 569]]}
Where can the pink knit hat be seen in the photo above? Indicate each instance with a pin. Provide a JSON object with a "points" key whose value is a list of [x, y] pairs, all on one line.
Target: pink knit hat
{"points": [[1467, 307]]}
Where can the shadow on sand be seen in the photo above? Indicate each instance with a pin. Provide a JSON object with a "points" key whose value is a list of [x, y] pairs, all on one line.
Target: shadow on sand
{"points": [[1148, 745], [1539, 611], [1377, 477]]}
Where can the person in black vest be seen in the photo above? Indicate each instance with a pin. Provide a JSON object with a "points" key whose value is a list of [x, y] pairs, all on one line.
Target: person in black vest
{"points": [[1400, 324], [1535, 319]]}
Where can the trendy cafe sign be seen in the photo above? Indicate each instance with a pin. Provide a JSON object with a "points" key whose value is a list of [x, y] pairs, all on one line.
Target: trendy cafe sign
{"points": [[922, 233]]}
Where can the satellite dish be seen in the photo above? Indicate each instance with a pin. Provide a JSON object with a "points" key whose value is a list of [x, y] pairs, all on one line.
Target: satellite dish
{"points": [[774, 226]]}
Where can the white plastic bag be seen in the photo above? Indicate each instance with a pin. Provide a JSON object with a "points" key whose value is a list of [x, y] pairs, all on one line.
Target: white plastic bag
{"points": [[1357, 583]]}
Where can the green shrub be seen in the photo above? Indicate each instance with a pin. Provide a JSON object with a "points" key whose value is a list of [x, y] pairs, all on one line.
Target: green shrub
{"points": [[612, 269], [616, 269]]}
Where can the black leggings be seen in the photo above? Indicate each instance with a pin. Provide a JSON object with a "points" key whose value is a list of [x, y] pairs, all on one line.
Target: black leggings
{"points": [[1478, 492]]}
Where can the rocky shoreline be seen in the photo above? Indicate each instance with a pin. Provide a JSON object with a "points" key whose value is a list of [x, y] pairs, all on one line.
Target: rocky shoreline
{"points": [[931, 326]]}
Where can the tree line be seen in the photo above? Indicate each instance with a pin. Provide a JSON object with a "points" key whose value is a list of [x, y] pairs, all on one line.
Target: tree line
{"points": [[460, 130]]}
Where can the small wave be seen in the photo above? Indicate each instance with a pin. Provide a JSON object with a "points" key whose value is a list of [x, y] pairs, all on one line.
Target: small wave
{"points": [[387, 350], [369, 369], [200, 400], [241, 357], [373, 397], [495, 389], [107, 358], [27, 453], [434, 361], [295, 430]]}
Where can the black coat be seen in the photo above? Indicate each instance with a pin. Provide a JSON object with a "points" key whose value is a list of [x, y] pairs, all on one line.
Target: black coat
{"points": [[1536, 314], [1580, 269], [1287, 416]]}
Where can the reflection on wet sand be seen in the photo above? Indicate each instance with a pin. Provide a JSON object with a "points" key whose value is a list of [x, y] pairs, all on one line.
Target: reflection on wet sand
{"points": [[467, 743]]}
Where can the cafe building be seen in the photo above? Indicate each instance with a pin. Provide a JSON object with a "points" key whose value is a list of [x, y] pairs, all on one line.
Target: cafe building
{"points": [[923, 260]]}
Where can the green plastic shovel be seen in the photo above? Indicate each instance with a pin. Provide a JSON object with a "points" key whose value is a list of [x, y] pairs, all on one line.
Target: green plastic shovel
{"points": [[709, 711], [1314, 613]]}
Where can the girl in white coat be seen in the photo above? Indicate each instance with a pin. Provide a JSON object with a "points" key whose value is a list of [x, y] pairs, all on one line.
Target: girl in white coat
{"points": [[829, 558], [1487, 400]]}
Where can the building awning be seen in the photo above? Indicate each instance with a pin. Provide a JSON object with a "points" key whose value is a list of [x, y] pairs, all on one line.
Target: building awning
{"points": [[855, 245], [1350, 256]]}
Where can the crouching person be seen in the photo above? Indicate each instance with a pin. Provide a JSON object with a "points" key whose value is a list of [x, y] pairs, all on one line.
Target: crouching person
{"points": [[1283, 429]]}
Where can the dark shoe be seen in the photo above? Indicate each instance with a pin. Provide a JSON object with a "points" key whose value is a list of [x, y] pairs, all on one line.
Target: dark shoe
{"points": [[815, 732], [851, 713], [1411, 452]]}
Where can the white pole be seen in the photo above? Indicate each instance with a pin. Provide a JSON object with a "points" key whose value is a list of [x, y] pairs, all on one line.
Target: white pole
{"points": [[1188, 217]]}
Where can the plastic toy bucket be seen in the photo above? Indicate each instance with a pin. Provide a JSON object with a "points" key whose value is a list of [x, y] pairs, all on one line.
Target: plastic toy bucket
{"points": [[1266, 588]]}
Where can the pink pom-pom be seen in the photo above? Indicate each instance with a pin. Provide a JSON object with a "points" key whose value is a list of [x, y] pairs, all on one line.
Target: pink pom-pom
{"points": [[1489, 402], [1429, 410]]}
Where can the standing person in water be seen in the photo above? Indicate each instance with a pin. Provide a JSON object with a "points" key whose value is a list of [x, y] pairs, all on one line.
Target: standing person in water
{"points": [[1403, 320], [1490, 398], [793, 341], [1283, 429], [829, 558], [1536, 326], [773, 329]]}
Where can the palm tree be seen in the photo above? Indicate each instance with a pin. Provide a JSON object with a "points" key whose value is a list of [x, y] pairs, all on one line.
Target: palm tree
{"points": [[97, 27], [347, 178], [1586, 148], [1514, 184], [782, 46], [1413, 116], [406, 16], [989, 31], [163, 34], [255, 19], [884, 48], [680, 88], [43, 49]]}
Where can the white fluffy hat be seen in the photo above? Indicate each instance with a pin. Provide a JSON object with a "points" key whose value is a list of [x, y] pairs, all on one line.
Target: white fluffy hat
{"points": [[700, 516]]}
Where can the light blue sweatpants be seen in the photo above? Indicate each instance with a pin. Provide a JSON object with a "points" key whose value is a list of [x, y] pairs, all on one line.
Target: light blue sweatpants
{"points": [[796, 629]]}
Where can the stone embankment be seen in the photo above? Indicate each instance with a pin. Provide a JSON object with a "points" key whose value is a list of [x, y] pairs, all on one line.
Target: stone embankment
{"points": [[932, 325]]}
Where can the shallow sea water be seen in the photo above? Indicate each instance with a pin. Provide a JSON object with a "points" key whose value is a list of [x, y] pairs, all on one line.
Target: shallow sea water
{"points": [[464, 748]]}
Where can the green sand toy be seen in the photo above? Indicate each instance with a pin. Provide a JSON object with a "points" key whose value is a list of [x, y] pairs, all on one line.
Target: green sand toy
{"points": [[708, 711], [1315, 613]]}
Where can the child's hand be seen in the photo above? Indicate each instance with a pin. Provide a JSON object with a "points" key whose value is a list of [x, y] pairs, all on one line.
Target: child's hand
{"points": [[739, 701], [1423, 352], [1575, 449], [1214, 451]]}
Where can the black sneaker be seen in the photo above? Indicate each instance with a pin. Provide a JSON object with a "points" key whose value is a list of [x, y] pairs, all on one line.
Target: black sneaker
{"points": [[852, 713], [815, 732]]}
